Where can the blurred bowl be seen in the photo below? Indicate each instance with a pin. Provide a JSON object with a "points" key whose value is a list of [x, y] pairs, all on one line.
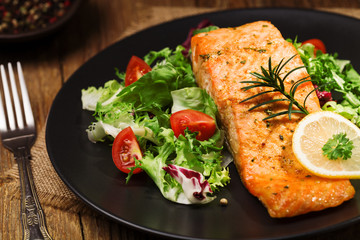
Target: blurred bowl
{"points": [[41, 32]]}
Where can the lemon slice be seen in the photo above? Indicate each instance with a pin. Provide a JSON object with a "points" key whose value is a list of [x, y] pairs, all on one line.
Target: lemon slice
{"points": [[313, 132]]}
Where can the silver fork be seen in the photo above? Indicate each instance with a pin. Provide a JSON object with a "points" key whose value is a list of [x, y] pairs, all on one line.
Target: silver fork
{"points": [[18, 135]]}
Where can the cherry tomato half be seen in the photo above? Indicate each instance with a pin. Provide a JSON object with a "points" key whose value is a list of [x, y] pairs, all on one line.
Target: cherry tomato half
{"points": [[124, 149], [195, 121], [135, 69], [319, 45]]}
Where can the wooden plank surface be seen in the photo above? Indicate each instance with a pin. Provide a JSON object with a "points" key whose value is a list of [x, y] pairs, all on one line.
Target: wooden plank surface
{"points": [[49, 63]]}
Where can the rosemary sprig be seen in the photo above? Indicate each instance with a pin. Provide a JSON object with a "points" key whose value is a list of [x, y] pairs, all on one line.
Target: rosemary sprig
{"points": [[271, 78]]}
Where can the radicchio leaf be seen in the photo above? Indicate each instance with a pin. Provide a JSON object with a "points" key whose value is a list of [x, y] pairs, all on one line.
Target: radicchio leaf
{"points": [[324, 96], [187, 43], [194, 185]]}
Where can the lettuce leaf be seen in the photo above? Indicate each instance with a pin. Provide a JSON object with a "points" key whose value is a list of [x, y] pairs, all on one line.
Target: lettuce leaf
{"points": [[172, 71], [347, 111], [193, 98], [91, 96], [154, 87]]}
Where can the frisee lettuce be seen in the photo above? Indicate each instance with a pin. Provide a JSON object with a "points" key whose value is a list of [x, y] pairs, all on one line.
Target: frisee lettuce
{"points": [[334, 75]]}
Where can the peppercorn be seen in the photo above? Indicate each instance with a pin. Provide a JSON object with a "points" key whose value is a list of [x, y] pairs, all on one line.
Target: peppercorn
{"points": [[20, 16], [223, 202]]}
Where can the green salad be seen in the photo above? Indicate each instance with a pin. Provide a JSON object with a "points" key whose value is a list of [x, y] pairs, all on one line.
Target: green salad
{"points": [[332, 76], [159, 122]]}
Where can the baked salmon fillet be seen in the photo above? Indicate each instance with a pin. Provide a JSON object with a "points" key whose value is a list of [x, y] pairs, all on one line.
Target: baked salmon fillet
{"points": [[262, 150]]}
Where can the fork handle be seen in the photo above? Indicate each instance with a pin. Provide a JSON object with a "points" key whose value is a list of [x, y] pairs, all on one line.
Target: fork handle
{"points": [[32, 215]]}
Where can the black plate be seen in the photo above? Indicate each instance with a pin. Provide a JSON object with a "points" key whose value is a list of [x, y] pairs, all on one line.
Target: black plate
{"points": [[88, 170]]}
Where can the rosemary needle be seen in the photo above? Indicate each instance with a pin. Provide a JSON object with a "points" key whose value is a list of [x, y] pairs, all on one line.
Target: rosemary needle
{"points": [[271, 78]]}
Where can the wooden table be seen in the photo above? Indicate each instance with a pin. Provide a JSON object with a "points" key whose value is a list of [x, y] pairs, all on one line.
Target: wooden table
{"points": [[48, 64]]}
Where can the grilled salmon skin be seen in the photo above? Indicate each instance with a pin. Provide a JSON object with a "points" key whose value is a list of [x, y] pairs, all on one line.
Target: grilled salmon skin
{"points": [[262, 150]]}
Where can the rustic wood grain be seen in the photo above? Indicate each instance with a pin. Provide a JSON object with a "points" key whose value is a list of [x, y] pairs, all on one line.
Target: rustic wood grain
{"points": [[48, 63]]}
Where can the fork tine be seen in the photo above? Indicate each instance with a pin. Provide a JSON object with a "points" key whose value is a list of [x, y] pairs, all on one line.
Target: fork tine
{"points": [[29, 117], [19, 116], [3, 126], [9, 109]]}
